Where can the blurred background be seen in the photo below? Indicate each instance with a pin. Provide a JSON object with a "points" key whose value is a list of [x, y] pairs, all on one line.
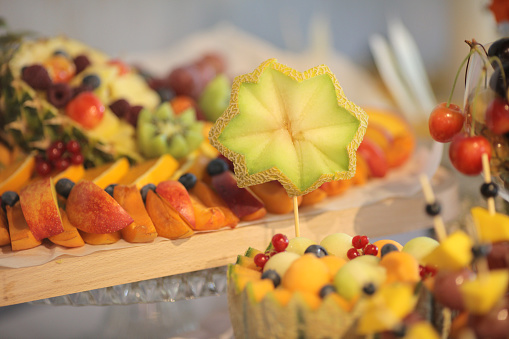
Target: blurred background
{"points": [[123, 28]]}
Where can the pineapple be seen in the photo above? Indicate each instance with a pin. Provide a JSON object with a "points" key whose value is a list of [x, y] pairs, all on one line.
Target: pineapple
{"points": [[33, 122]]}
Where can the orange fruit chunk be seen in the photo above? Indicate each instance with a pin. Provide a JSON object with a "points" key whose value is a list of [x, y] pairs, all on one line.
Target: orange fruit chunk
{"points": [[73, 173], [14, 176], [107, 174], [151, 172]]}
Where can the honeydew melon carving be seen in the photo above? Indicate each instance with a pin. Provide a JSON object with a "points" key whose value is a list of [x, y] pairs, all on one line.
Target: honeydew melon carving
{"points": [[291, 126]]}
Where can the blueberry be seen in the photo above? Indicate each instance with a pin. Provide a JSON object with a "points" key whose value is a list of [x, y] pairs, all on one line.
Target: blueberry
{"points": [[489, 190], [61, 52], [369, 289], [91, 81], [317, 250], [9, 198], [326, 290], [144, 191], [217, 166], [59, 94], [499, 49], [499, 79], [272, 275], [433, 209], [110, 188], [64, 187], [165, 94], [387, 248], [481, 251], [188, 180]]}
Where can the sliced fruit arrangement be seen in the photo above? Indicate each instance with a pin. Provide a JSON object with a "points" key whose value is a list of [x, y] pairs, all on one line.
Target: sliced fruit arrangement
{"points": [[315, 290]]}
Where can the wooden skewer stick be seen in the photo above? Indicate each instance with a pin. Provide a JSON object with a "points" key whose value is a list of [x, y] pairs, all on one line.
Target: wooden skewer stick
{"points": [[296, 216], [487, 179], [438, 223]]}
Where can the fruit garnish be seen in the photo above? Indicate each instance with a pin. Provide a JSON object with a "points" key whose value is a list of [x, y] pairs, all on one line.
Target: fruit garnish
{"points": [[465, 153], [261, 259], [280, 242], [445, 121], [359, 242], [297, 128], [86, 109]]}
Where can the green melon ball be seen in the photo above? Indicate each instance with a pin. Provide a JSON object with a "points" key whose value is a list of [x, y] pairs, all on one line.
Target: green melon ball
{"points": [[299, 245], [280, 262], [355, 274], [337, 244], [420, 247]]}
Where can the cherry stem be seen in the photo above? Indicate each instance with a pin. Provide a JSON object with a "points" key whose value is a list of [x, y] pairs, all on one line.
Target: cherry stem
{"points": [[472, 51], [474, 106]]}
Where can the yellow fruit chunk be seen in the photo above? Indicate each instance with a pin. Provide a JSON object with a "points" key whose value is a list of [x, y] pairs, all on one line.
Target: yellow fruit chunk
{"points": [[73, 173], [241, 275], [107, 174], [490, 227], [151, 172], [422, 330], [453, 253], [386, 308], [308, 274], [481, 294], [333, 264], [257, 289], [17, 174]]}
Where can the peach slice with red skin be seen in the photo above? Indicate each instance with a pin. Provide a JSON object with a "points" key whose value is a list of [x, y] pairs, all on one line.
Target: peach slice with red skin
{"points": [[241, 201], [210, 198], [168, 222], [142, 228], [92, 210], [177, 196], [40, 208], [375, 158], [22, 237], [207, 218]]}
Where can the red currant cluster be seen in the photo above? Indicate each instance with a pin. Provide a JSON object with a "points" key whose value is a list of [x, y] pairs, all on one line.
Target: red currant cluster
{"points": [[59, 156], [427, 271], [279, 244], [361, 246]]}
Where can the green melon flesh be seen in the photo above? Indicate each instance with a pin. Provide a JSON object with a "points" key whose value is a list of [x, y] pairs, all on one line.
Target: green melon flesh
{"points": [[298, 127]]}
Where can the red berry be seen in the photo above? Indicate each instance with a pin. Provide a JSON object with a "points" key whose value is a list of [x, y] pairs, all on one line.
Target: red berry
{"points": [[359, 242], [371, 249], [352, 253], [445, 122], [43, 167], [261, 259], [465, 153], [55, 151], [497, 116], [77, 159], [280, 242], [73, 147], [61, 164]]}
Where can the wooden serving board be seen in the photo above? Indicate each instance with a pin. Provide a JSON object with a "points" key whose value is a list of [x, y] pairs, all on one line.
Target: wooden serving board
{"points": [[67, 275]]}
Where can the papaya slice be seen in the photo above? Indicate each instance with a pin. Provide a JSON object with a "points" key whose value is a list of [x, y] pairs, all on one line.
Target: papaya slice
{"points": [[166, 219], [22, 237]]}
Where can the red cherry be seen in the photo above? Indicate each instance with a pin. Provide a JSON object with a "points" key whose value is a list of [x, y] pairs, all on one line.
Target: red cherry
{"points": [[43, 167], [86, 109], [371, 249], [61, 164], [73, 147], [497, 116], [261, 259], [77, 159], [280, 242], [445, 122], [352, 253], [465, 153]]}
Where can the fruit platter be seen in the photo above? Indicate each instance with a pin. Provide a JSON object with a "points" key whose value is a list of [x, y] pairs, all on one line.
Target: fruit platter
{"points": [[109, 177]]}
